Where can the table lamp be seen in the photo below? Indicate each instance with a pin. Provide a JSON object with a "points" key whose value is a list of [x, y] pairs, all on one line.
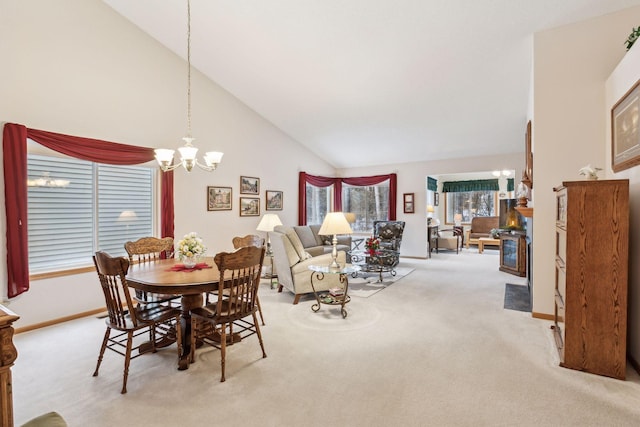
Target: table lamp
{"points": [[430, 211], [457, 219], [350, 216], [335, 223], [268, 223]]}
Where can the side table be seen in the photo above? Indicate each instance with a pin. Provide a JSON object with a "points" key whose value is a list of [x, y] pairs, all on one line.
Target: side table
{"points": [[272, 274], [341, 299]]}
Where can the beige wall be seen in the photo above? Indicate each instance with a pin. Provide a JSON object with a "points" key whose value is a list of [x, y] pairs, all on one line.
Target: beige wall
{"points": [[626, 74], [571, 65]]}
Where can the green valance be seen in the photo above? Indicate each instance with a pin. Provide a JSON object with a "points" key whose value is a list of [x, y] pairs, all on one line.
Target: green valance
{"points": [[432, 184], [510, 184], [473, 185]]}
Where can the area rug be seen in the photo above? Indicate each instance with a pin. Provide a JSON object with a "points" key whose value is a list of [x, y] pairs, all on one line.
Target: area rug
{"points": [[368, 284], [516, 297]]}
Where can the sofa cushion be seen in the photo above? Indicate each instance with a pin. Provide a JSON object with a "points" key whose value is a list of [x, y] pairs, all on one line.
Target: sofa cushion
{"points": [[292, 255], [306, 236]]}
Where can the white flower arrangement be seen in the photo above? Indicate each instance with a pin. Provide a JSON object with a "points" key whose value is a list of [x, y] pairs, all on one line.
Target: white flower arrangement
{"points": [[191, 246]]}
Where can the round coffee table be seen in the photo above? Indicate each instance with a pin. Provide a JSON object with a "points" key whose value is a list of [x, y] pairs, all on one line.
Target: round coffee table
{"points": [[380, 261]]}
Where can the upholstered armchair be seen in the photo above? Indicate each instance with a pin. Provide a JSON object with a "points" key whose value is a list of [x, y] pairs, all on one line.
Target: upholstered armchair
{"points": [[389, 233], [450, 239]]}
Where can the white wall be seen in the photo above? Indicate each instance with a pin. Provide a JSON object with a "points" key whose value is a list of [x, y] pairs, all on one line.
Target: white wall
{"points": [[626, 74], [77, 67], [412, 178], [571, 65]]}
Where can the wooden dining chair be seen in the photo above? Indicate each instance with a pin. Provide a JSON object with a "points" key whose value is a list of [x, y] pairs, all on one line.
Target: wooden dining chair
{"points": [[236, 301], [128, 320], [151, 249], [250, 240]]}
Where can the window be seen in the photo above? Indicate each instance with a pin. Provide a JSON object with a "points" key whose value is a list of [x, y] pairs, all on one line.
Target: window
{"points": [[76, 207], [319, 202], [470, 204], [369, 203], [319, 195]]}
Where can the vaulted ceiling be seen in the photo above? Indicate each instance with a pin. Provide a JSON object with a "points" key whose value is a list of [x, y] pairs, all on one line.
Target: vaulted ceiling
{"points": [[416, 79]]}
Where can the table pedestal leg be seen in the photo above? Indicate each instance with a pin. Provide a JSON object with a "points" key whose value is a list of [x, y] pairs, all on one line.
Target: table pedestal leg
{"points": [[188, 302]]}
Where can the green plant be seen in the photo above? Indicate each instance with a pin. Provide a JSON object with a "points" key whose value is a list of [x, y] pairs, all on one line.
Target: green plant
{"points": [[632, 37]]}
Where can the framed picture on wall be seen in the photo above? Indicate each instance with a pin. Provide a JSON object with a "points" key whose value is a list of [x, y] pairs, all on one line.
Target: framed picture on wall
{"points": [[249, 185], [625, 130], [219, 198], [249, 206], [409, 205], [273, 200], [436, 199]]}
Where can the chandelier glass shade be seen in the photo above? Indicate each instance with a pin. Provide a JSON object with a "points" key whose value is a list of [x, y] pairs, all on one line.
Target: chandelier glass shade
{"points": [[188, 152]]}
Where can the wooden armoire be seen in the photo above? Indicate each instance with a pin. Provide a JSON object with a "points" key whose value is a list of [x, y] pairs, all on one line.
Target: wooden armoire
{"points": [[592, 244]]}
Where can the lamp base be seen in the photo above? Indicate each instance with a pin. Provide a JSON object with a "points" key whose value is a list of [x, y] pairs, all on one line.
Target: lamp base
{"points": [[334, 255]]}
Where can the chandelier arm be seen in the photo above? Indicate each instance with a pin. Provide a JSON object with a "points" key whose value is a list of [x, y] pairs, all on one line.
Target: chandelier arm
{"points": [[170, 168], [205, 167]]}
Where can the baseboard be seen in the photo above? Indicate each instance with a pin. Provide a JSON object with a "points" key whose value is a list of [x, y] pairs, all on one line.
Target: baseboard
{"points": [[543, 316], [413, 257], [634, 363], [59, 320]]}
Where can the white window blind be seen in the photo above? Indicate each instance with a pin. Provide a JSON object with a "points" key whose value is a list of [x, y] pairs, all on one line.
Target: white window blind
{"points": [[76, 207], [125, 206]]}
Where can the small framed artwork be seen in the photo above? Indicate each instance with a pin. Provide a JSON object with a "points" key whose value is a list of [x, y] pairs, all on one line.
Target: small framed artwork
{"points": [[273, 200], [249, 206], [249, 185], [219, 198], [625, 132], [409, 206], [436, 199]]}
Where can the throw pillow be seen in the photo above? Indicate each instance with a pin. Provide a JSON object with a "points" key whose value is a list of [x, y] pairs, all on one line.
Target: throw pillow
{"points": [[292, 255], [306, 235], [296, 243]]}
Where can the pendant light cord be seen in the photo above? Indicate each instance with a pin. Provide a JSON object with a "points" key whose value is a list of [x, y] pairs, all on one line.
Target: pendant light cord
{"points": [[189, 68]]}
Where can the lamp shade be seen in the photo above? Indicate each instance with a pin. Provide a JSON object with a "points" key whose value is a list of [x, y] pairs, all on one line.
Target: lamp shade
{"points": [[335, 223], [127, 216], [268, 222], [350, 216], [430, 209]]}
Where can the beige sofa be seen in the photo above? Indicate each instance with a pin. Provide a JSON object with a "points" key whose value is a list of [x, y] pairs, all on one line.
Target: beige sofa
{"points": [[292, 258], [481, 226], [315, 244]]}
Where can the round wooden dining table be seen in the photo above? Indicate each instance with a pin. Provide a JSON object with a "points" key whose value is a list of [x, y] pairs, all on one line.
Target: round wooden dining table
{"points": [[168, 276]]}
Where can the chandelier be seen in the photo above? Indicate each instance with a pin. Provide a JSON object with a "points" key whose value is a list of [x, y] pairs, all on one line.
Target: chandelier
{"points": [[188, 152]]}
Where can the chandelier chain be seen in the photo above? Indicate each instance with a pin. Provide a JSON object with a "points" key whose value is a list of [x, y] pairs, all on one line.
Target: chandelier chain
{"points": [[189, 68]]}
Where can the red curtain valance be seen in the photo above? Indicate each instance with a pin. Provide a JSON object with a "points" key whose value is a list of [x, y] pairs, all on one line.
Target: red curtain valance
{"points": [[15, 179], [321, 181]]}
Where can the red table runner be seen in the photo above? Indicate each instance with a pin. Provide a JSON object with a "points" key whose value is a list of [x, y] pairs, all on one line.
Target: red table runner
{"points": [[181, 267]]}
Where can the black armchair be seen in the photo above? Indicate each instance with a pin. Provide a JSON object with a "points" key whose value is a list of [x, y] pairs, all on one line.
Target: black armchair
{"points": [[389, 233]]}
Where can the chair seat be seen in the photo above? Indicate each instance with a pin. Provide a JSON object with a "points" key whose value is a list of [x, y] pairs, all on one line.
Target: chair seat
{"points": [[225, 313]]}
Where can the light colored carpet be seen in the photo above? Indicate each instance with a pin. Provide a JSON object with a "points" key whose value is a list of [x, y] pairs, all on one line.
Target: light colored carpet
{"points": [[365, 284], [436, 348]]}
